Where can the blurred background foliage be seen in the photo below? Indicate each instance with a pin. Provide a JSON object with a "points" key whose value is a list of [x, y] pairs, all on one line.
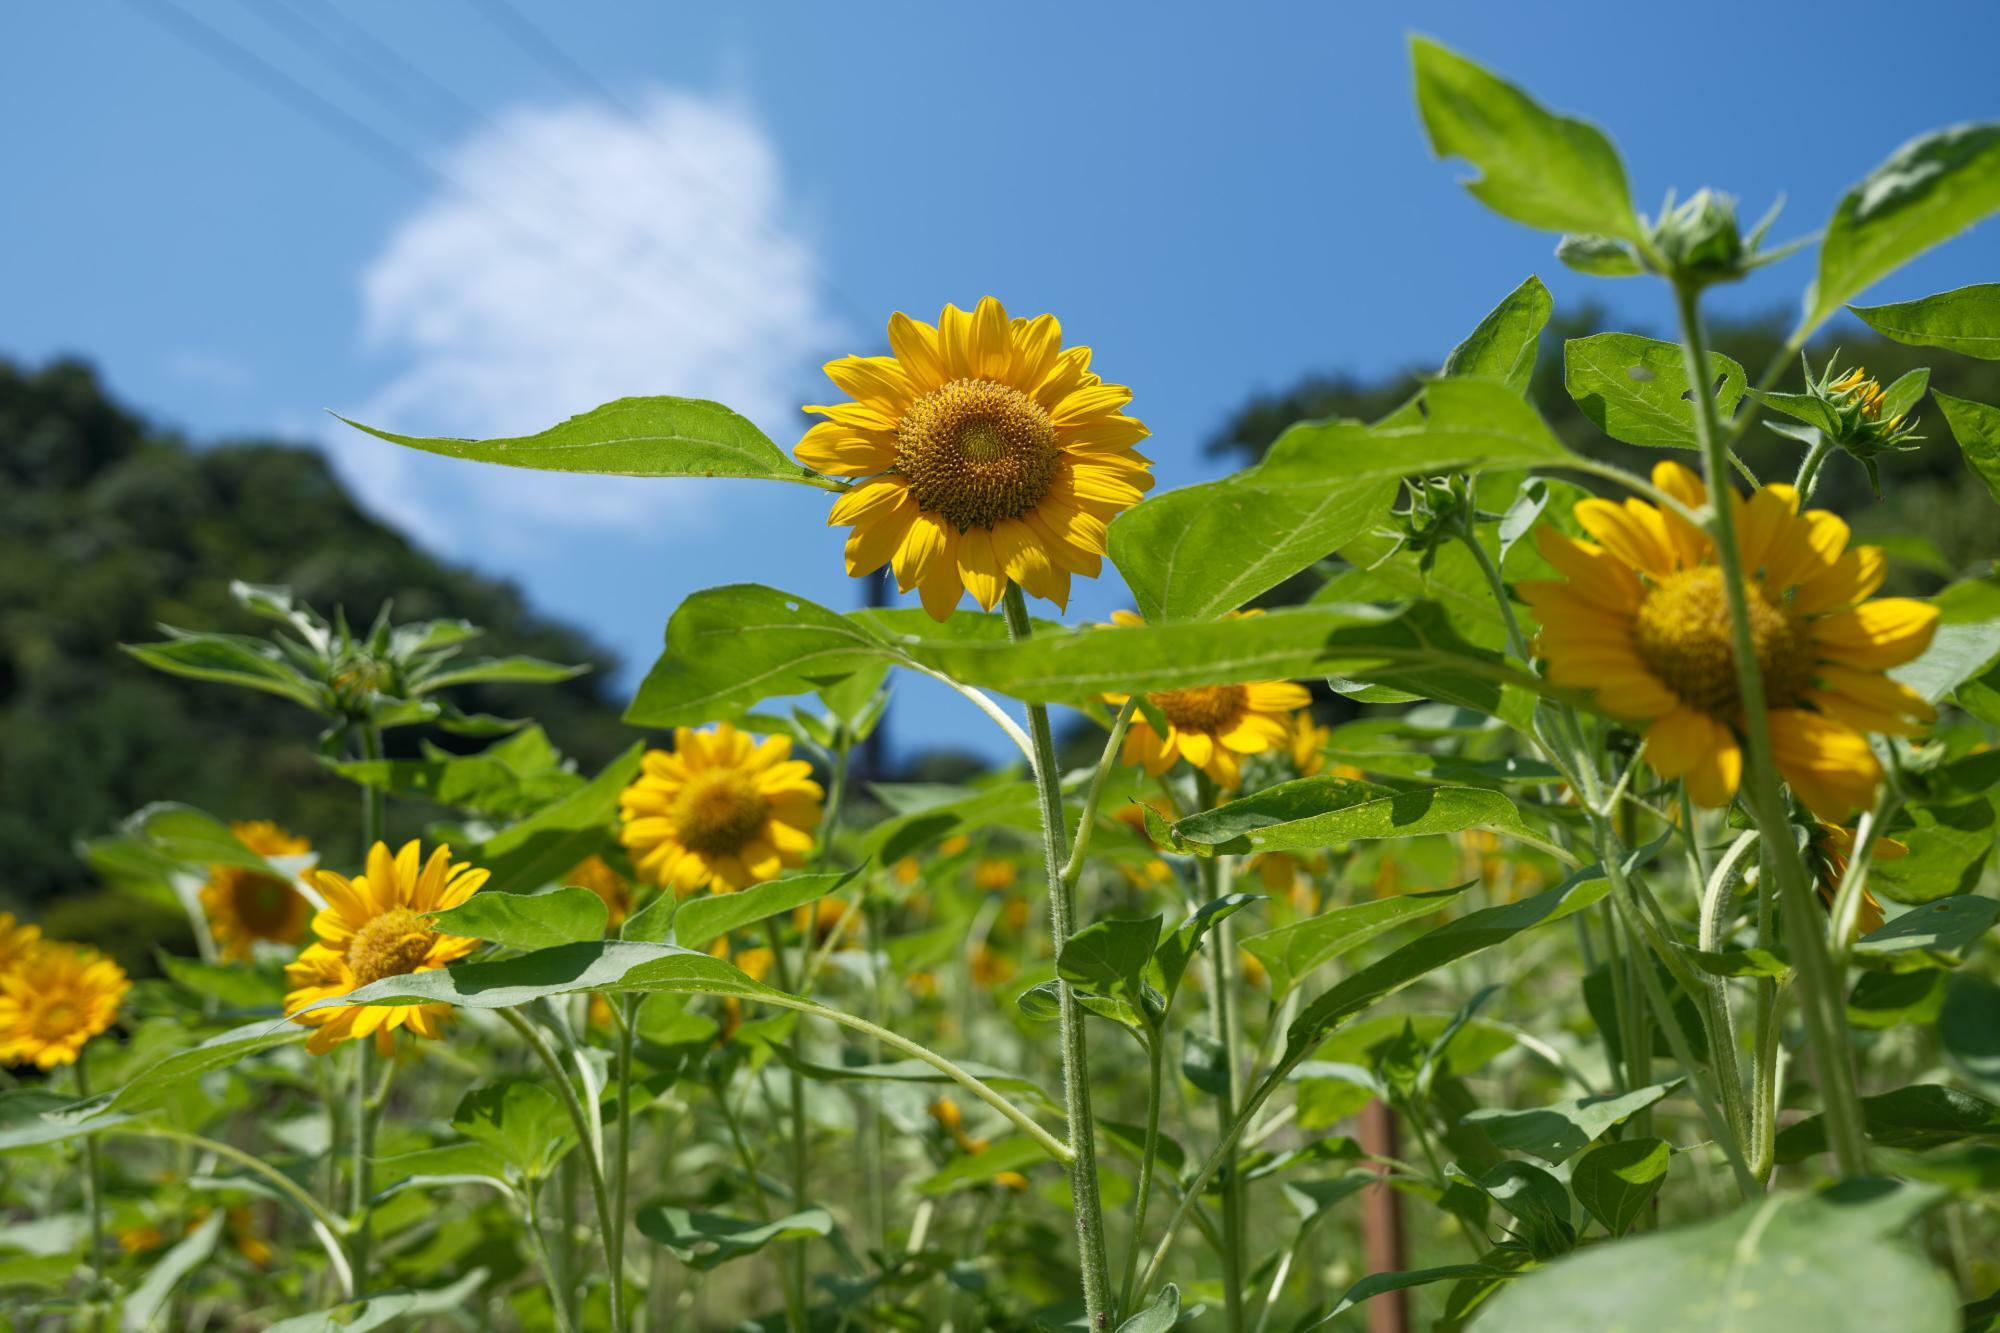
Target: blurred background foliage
{"points": [[110, 527]]}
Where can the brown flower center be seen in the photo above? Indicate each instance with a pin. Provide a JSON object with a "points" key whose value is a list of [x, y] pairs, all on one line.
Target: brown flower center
{"points": [[393, 944], [1208, 708], [719, 812], [57, 1021], [268, 907], [1682, 633], [977, 452]]}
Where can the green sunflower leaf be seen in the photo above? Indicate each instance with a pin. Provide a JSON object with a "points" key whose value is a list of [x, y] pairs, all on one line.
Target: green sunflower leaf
{"points": [[631, 437], [1966, 321]]}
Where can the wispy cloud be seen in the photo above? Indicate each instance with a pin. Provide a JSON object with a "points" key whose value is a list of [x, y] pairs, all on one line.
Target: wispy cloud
{"points": [[585, 256]]}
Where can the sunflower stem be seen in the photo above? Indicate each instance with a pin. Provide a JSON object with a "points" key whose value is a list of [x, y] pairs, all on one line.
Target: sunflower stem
{"points": [[1809, 467], [371, 797], [581, 1120], [1226, 1029], [1075, 1057], [1155, 1062], [628, 1015], [1819, 984], [1086, 823], [795, 1265], [93, 1198]]}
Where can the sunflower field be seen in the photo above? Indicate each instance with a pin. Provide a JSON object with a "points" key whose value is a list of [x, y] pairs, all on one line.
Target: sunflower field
{"points": [[1621, 959]]}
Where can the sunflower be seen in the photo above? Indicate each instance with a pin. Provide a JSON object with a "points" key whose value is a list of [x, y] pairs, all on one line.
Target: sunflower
{"points": [[1831, 849], [989, 454], [1212, 726], [1642, 618], [595, 873], [994, 874], [53, 998], [245, 905], [373, 927], [722, 811], [17, 938]]}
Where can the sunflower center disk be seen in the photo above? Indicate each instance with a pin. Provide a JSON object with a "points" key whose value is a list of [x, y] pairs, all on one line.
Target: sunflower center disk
{"points": [[718, 813], [977, 452], [264, 905], [393, 944], [56, 1021], [1682, 634], [1207, 708]]}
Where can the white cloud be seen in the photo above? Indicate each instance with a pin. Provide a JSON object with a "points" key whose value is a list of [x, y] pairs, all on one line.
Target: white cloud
{"points": [[585, 256]]}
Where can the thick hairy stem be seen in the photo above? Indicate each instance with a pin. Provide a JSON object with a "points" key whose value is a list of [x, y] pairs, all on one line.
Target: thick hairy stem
{"points": [[1820, 986], [1075, 1058]]}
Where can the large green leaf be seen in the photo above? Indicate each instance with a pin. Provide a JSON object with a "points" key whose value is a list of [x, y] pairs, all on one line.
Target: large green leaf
{"points": [[703, 920], [609, 965], [1928, 191], [1966, 321], [1635, 389], [1502, 346], [1937, 934], [1291, 951], [150, 1087], [1375, 1284], [232, 660], [1969, 1029], [1921, 1116], [703, 1240], [631, 437], [1177, 950], [1821, 1262], [1110, 955], [1976, 428], [527, 920], [1615, 1181], [1967, 641], [1557, 1132], [1536, 167], [390, 1309], [1161, 1315], [543, 847], [512, 778], [1328, 811], [1447, 944], [520, 1120], [1950, 842], [1195, 553], [732, 647]]}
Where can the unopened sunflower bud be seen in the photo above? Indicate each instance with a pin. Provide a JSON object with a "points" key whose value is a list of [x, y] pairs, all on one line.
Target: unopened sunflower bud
{"points": [[1700, 241]]}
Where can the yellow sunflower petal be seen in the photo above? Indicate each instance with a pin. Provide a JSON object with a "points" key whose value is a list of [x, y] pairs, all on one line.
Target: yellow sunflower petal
{"points": [[1877, 635]]}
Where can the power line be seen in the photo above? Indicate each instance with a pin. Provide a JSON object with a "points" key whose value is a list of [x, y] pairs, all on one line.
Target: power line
{"points": [[360, 135], [547, 52]]}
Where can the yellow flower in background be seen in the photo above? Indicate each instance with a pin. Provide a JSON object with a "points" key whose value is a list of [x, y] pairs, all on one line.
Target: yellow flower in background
{"points": [[990, 454], [1211, 726], [17, 938], [54, 997], [907, 871], [922, 984], [988, 967], [244, 905], [1642, 619], [1010, 1180], [1832, 848], [1308, 744], [1291, 876], [992, 874], [721, 811], [374, 927], [595, 873], [953, 845], [821, 919]]}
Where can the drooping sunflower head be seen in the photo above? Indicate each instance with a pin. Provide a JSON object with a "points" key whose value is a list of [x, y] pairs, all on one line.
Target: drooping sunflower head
{"points": [[985, 452], [373, 927], [1830, 849], [1642, 619], [244, 905], [16, 939], [595, 873], [721, 810], [1211, 726], [54, 997]]}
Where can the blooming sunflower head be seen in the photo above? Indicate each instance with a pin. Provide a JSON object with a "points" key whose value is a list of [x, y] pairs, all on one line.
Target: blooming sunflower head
{"points": [[721, 811], [595, 873], [1642, 619], [1211, 726], [985, 452], [54, 997], [244, 905], [373, 927]]}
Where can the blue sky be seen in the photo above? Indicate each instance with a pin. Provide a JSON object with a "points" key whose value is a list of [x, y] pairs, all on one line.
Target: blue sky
{"points": [[713, 199]]}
